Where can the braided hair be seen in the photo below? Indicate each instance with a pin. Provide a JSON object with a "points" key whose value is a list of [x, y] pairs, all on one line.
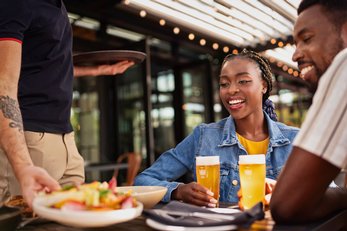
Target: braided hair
{"points": [[266, 75]]}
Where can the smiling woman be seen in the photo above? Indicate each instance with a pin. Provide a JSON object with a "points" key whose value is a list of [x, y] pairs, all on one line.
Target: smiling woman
{"points": [[238, 71], [245, 84]]}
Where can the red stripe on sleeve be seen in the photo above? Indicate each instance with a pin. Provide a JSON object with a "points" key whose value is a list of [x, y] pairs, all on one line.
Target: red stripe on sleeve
{"points": [[11, 39]]}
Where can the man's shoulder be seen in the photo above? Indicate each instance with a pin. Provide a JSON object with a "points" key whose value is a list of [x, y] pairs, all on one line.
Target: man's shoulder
{"points": [[340, 58], [342, 53], [333, 80]]}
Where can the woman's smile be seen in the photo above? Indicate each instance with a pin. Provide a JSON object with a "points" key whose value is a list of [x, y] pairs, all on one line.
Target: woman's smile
{"points": [[236, 104]]}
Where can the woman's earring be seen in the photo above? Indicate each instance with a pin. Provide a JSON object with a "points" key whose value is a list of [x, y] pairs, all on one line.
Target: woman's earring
{"points": [[264, 90]]}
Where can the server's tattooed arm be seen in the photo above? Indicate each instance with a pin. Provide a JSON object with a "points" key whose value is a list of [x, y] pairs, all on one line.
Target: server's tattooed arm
{"points": [[10, 109]]}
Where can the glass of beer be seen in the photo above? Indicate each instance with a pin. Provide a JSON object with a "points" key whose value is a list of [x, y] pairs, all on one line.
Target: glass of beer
{"points": [[208, 173], [252, 179]]}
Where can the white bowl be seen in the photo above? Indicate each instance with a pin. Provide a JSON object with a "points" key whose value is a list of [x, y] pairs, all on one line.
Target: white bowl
{"points": [[147, 195], [82, 218]]}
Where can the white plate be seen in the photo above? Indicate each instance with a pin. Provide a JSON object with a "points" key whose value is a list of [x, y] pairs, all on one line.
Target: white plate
{"points": [[160, 226], [82, 218]]}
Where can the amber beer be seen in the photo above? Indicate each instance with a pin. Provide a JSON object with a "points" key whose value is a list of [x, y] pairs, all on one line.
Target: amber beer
{"points": [[208, 173], [252, 179]]}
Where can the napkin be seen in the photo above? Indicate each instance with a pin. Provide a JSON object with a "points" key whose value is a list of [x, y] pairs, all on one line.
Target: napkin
{"points": [[182, 214]]}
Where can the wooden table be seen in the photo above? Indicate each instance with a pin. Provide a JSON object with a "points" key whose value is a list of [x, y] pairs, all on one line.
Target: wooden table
{"points": [[336, 222]]}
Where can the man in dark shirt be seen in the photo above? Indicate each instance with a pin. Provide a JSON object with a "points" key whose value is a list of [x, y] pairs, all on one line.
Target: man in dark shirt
{"points": [[36, 77]]}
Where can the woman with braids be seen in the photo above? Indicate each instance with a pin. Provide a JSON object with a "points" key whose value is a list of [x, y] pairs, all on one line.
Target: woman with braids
{"points": [[245, 85]]}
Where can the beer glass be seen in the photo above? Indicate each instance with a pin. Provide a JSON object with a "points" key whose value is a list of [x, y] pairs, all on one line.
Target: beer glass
{"points": [[252, 179], [208, 173]]}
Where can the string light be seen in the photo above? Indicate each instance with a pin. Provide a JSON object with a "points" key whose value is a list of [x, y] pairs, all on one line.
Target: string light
{"points": [[176, 30], [191, 36], [143, 13], [215, 46], [284, 67], [225, 49], [162, 22]]}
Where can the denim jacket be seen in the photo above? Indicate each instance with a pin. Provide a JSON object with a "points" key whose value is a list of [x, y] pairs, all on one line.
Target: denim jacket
{"points": [[217, 139]]}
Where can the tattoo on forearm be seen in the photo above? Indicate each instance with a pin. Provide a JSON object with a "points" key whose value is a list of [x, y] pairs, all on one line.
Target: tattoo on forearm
{"points": [[10, 109]]}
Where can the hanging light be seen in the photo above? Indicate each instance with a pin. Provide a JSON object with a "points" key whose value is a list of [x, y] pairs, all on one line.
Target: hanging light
{"points": [[143, 13], [202, 42], [225, 49], [215, 46], [162, 22], [176, 30], [191, 36]]}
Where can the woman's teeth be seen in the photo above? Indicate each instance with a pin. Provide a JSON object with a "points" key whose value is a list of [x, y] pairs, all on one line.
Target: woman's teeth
{"points": [[233, 102]]}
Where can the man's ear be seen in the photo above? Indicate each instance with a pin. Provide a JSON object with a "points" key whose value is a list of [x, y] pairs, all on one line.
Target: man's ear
{"points": [[344, 34]]}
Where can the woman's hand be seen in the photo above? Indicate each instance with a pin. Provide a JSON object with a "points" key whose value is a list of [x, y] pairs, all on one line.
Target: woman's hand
{"points": [[194, 193]]}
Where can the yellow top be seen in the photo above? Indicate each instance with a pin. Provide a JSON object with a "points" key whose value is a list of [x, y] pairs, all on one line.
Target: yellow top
{"points": [[254, 147]]}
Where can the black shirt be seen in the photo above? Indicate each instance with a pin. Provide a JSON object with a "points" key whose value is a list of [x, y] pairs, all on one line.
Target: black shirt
{"points": [[46, 79]]}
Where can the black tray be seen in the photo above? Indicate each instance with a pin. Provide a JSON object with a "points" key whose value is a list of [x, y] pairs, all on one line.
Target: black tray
{"points": [[96, 58]]}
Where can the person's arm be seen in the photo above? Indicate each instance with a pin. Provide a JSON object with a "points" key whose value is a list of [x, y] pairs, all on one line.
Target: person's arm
{"points": [[117, 68], [171, 165], [302, 194], [12, 141]]}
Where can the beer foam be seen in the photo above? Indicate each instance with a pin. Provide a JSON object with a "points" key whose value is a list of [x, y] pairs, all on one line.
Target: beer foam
{"points": [[207, 160], [252, 159]]}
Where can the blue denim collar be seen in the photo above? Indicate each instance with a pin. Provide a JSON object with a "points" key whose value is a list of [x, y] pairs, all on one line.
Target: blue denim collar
{"points": [[277, 138]]}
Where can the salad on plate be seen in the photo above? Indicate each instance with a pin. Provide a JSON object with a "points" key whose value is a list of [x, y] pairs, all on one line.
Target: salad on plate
{"points": [[94, 204], [95, 196]]}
